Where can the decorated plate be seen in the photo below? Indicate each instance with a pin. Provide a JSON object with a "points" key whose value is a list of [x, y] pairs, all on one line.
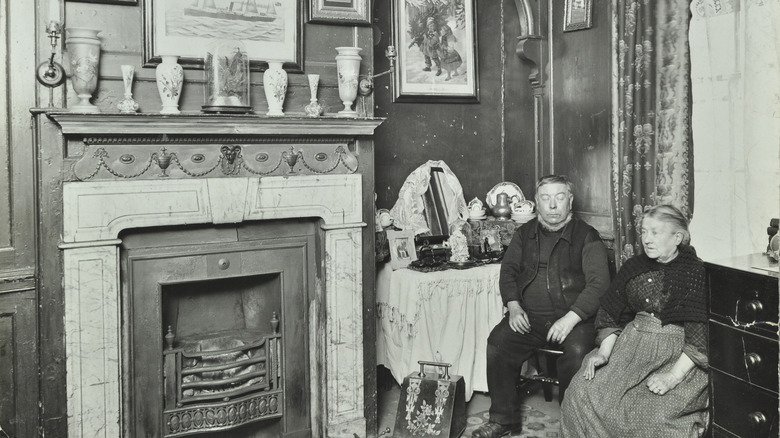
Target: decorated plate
{"points": [[511, 189], [463, 265]]}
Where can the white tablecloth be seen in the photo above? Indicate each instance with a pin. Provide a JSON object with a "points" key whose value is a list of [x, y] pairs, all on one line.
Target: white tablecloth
{"points": [[443, 316]]}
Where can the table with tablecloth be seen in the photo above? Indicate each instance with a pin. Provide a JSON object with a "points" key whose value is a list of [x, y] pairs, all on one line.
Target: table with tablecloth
{"points": [[443, 316]]}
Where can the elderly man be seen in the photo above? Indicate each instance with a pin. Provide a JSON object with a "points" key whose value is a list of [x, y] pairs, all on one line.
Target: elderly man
{"points": [[552, 277]]}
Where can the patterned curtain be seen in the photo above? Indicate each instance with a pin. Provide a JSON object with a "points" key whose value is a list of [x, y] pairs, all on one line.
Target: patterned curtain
{"points": [[652, 149]]}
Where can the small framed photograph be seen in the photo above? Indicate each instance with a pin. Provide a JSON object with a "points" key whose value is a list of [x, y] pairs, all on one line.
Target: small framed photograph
{"points": [[436, 42], [578, 15], [402, 250], [271, 30], [340, 12]]}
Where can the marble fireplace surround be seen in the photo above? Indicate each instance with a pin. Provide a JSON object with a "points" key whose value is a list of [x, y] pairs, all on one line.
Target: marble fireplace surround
{"points": [[95, 213]]}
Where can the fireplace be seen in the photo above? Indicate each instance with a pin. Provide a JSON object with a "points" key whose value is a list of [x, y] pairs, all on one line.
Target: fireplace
{"points": [[140, 189], [216, 328]]}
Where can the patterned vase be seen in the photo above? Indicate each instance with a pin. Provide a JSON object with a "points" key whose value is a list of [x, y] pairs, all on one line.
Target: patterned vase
{"points": [[275, 86], [128, 104], [170, 78], [313, 109], [84, 51], [348, 68]]}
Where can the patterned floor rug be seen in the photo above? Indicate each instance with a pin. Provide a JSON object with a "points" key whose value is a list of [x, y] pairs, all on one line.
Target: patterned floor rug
{"points": [[535, 424]]}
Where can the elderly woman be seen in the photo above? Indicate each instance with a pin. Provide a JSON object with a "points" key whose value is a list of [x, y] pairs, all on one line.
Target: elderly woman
{"points": [[648, 377]]}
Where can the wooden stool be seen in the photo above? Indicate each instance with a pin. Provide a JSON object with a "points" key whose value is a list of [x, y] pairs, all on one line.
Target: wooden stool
{"points": [[546, 358]]}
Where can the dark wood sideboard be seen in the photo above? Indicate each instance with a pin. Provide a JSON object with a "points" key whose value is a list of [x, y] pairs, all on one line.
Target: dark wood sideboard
{"points": [[743, 346]]}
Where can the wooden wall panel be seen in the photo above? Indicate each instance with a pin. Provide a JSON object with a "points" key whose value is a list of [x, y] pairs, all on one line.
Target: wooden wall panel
{"points": [[580, 93]]}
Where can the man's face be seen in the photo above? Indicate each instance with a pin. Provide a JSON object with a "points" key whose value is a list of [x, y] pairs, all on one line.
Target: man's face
{"points": [[553, 201]]}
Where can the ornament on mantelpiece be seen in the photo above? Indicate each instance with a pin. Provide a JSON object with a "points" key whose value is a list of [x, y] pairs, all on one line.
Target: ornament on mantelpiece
{"points": [[83, 46], [170, 77], [128, 104], [275, 87], [313, 109], [227, 77], [348, 69]]}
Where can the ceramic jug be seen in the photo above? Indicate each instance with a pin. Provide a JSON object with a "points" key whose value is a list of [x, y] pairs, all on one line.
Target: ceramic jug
{"points": [[501, 209]]}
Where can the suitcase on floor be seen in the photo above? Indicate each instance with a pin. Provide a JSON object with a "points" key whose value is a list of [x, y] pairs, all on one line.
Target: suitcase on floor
{"points": [[432, 403]]}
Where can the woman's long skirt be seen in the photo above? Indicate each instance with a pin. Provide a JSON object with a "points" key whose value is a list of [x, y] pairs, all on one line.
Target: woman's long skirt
{"points": [[617, 403]]}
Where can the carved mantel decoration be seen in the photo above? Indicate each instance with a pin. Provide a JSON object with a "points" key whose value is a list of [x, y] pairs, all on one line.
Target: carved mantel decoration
{"points": [[122, 172], [529, 42]]}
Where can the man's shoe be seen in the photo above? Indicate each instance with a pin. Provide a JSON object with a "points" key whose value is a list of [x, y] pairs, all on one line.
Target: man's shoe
{"points": [[495, 430], [426, 69]]}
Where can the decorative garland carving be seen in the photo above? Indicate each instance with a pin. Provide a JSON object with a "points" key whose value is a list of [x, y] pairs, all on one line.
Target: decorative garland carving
{"points": [[202, 139], [119, 162]]}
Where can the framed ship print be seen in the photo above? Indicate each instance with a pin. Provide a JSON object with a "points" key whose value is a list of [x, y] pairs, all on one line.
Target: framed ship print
{"points": [[436, 41], [270, 30]]}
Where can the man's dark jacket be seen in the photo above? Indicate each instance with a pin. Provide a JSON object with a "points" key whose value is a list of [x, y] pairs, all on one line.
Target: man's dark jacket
{"points": [[577, 272]]}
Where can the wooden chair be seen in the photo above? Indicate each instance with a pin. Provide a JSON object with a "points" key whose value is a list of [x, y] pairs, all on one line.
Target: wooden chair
{"points": [[547, 374]]}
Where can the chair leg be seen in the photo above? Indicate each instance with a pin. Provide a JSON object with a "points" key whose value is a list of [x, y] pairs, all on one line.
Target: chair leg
{"points": [[548, 391]]}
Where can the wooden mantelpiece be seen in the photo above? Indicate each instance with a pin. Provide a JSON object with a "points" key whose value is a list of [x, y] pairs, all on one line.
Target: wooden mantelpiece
{"points": [[82, 219], [210, 124]]}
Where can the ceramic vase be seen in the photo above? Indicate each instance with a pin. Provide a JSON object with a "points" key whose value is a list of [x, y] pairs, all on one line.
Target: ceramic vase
{"points": [[128, 104], [170, 77], [83, 47], [313, 109], [348, 68], [275, 86]]}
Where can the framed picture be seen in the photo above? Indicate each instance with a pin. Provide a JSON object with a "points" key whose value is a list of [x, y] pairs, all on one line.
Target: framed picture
{"points": [[436, 41], [270, 29], [115, 2], [340, 12], [402, 250], [577, 15]]}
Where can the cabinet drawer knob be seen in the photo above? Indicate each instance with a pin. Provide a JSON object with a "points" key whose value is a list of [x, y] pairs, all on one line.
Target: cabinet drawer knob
{"points": [[757, 419], [223, 264], [752, 360]]}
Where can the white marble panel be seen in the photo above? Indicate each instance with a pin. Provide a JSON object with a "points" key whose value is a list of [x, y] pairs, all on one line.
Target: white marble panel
{"points": [[344, 339], [92, 340], [337, 199]]}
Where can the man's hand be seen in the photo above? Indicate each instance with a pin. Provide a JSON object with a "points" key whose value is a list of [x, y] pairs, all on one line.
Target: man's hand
{"points": [[518, 319], [593, 361], [562, 327], [661, 383]]}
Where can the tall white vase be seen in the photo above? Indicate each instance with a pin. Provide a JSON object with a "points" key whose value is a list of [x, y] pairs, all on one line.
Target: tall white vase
{"points": [[348, 68], [83, 47], [170, 77], [275, 86]]}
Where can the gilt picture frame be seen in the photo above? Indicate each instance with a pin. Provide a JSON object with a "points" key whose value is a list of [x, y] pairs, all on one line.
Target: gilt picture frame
{"points": [[436, 42], [270, 30], [402, 249], [578, 15], [347, 12]]}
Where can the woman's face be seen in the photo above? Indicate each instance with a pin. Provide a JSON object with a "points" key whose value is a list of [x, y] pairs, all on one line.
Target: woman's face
{"points": [[660, 239]]}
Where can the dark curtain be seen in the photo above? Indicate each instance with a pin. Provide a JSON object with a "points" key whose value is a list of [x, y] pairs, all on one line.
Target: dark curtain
{"points": [[652, 147]]}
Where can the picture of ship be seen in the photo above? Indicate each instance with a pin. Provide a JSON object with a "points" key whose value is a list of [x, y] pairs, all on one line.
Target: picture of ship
{"points": [[245, 10]]}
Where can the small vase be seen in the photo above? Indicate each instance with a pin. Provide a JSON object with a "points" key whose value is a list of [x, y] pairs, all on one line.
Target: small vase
{"points": [[128, 104], [170, 77], [84, 51], [313, 109], [501, 209], [275, 86], [348, 68]]}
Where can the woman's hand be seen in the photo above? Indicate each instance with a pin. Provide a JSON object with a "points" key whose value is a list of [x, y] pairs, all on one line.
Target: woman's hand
{"points": [[518, 319], [661, 383], [593, 361]]}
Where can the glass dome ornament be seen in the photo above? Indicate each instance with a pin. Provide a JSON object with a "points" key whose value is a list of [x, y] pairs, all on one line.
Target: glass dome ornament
{"points": [[227, 78]]}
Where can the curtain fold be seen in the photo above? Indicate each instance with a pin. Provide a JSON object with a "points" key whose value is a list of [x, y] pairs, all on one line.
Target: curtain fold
{"points": [[652, 155]]}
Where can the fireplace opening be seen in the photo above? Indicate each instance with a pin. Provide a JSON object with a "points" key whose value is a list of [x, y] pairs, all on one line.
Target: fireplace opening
{"points": [[216, 330]]}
